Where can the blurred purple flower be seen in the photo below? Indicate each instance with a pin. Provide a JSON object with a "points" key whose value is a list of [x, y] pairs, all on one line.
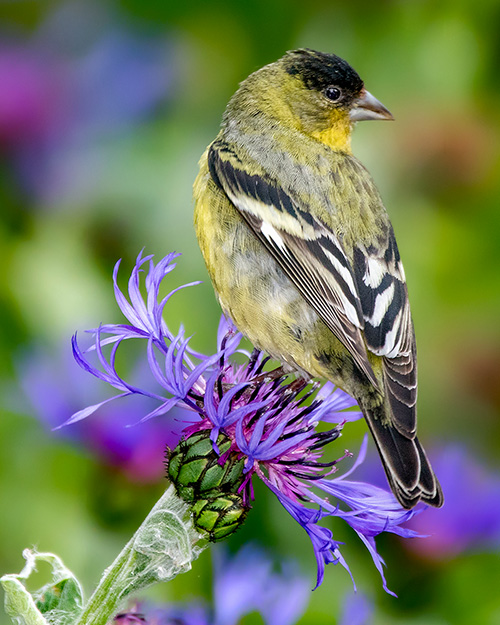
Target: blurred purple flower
{"points": [[59, 101], [357, 610], [470, 518], [54, 386], [31, 96], [270, 420], [246, 582], [243, 583], [130, 618]]}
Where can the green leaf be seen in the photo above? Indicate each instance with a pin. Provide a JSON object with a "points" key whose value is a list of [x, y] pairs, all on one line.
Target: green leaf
{"points": [[58, 602]]}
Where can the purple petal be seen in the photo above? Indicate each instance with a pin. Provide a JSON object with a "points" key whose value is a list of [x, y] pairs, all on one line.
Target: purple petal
{"points": [[325, 548], [86, 412]]}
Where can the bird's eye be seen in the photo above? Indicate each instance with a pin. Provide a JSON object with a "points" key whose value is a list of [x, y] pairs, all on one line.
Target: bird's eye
{"points": [[333, 93]]}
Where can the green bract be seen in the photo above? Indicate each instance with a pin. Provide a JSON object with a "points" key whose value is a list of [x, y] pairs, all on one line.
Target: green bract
{"points": [[220, 516], [211, 488]]}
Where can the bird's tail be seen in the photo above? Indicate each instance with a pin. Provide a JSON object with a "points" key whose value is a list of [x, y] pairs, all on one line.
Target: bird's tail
{"points": [[408, 470]]}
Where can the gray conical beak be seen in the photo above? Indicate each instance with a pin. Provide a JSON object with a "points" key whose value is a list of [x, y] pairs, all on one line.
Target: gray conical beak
{"points": [[368, 107]]}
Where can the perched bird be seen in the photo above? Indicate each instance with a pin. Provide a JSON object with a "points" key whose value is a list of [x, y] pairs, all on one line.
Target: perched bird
{"points": [[301, 251]]}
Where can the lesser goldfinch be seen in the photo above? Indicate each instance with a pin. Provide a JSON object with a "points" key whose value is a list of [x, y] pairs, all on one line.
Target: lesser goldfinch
{"points": [[301, 251]]}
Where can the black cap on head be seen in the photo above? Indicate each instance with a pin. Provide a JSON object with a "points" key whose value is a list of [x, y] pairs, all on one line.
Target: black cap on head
{"points": [[319, 70]]}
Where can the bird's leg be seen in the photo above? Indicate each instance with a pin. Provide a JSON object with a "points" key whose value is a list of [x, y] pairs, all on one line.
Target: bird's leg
{"points": [[274, 374], [266, 376]]}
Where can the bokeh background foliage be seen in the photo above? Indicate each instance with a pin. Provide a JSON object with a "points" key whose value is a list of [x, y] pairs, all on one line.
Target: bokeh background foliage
{"points": [[105, 108]]}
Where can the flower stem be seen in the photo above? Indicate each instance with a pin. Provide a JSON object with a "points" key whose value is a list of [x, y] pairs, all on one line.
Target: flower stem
{"points": [[163, 546]]}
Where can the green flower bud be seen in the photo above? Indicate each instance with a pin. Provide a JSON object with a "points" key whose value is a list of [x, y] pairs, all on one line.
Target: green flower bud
{"points": [[220, 516], [194, 469]]}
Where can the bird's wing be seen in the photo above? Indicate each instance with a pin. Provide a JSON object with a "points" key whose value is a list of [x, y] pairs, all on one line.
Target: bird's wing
{"points": [[388, 327], [310, 254]]}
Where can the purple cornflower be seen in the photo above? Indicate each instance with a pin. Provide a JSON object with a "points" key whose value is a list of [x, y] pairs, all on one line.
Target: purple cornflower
{"points": [[270, 420]]}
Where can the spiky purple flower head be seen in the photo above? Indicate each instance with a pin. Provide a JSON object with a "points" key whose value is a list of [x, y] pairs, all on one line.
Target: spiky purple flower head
{"points": [[270, 419]]}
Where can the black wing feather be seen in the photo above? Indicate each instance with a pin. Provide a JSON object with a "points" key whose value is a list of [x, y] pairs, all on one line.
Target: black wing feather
{"points": [[390, 334]]}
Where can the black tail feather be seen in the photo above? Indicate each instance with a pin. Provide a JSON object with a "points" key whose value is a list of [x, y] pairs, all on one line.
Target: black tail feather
{"points": [[408, 470]]}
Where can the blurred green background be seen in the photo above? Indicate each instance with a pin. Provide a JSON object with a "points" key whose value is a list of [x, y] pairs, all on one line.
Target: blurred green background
{"points": [[105, 108]]}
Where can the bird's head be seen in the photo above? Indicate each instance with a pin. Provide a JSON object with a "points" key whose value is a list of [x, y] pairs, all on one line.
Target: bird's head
{"points": [[317, 93], [329, 96]]}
